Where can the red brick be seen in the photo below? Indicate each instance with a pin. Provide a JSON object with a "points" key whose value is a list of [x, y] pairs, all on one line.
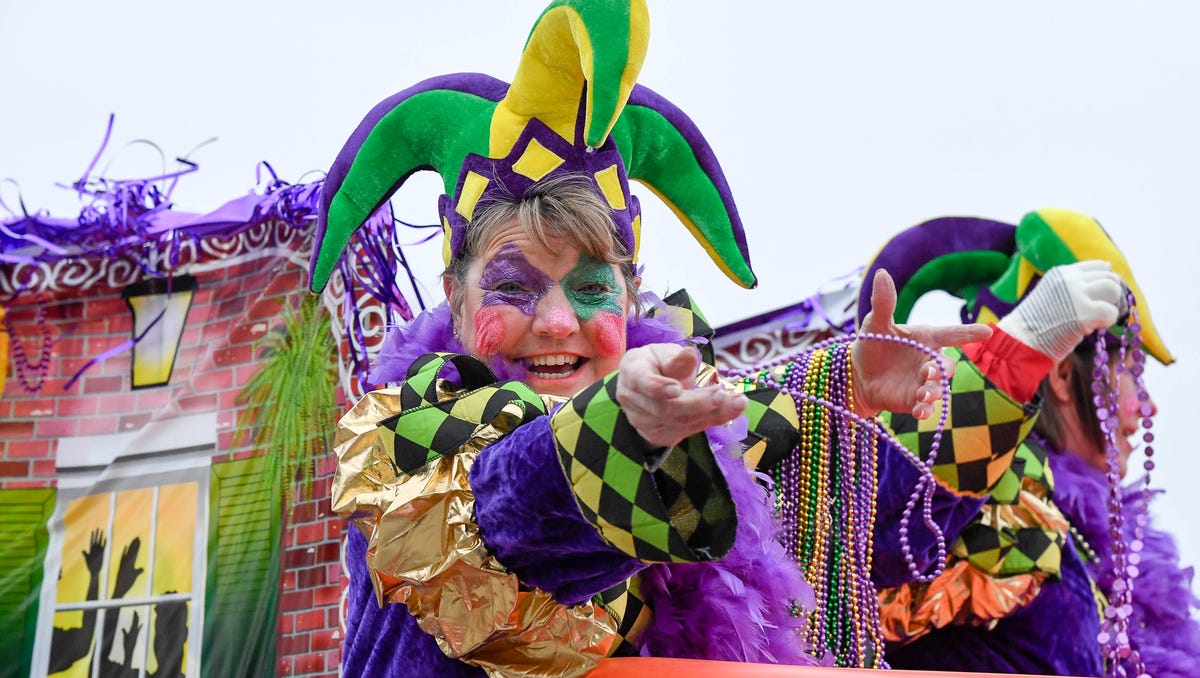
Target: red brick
{"points": [[59, 427], [11, 430], [18, 469], [133, 422], [308, 534], [98, 345], [231, 308], [77, 406], [190, 337], [295, 644], [198, 403], [334, 573], [288, 581], [328, 553], [311, 577], [103, 307], [333, 529], [283, 667], [213, 380], [265, 310], [121, 324], [44, 468], [96, 426], [32, 407], [308, 663], [91, 328], [216, 331], [103, 384], [333, 618], [28, 449], [325, 640], [234, 355], [304, 512], [154, 398], [118, 402], [325, 596], [312, 619], [69, 347], [292, 601], [286, 624], [286, 283]]}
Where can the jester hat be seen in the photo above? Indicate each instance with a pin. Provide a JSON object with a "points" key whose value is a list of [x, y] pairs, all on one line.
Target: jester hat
{"points": [[573, 106], [992, 265]]}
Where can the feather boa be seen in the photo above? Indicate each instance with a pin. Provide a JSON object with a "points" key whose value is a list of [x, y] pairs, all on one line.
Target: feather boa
{"points": [[743, 598], [1162, 627]]}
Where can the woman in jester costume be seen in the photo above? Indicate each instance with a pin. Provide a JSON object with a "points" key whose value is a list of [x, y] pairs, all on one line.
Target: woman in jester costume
{"points": [[1057, 570], [556, 477]]}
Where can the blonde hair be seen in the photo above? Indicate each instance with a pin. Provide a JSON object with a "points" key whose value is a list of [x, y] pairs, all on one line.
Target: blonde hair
{"points": [[567, 208]]}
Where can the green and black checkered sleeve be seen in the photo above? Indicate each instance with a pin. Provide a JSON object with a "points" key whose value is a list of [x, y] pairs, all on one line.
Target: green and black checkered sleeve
{"points": [[680, 512], [983, 429]]}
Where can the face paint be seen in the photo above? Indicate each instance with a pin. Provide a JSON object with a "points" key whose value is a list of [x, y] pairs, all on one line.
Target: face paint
{"points": [[609, 330], [489, 331], [508, 278], [591, 288]]}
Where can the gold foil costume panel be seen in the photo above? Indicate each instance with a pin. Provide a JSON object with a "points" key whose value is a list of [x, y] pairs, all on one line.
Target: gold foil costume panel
{"points": [[424, 551]]}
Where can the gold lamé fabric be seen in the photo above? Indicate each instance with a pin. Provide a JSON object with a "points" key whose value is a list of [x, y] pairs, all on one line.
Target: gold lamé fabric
{"points": [[978, 588], [424, 551], [961, 595]]}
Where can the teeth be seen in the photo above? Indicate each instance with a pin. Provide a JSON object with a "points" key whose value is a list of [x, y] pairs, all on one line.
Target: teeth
{"points": [[557, 359]]}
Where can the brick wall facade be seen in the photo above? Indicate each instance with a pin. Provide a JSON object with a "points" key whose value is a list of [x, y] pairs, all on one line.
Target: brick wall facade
{"points": [[233, 306]]}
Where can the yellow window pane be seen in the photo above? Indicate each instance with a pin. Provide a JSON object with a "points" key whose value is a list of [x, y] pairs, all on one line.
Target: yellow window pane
{"points": [[130, 544], [71, 646], [176, 538], [168, 637], [85, 525]]}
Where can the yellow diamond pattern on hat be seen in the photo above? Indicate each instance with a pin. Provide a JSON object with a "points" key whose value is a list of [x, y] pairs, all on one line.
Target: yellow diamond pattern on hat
{"points": [[537, 161], [473, 187], [610, 185]]}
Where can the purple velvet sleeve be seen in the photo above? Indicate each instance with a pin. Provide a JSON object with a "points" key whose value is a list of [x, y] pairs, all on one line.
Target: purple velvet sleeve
{"points": [[951, 512], [528, 518]]}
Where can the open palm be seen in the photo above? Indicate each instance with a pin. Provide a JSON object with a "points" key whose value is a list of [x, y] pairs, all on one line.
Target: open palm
{"points": [[898, 378]]}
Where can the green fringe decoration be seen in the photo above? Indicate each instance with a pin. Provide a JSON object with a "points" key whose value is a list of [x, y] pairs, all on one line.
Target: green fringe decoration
{"points": [[290, 406]]}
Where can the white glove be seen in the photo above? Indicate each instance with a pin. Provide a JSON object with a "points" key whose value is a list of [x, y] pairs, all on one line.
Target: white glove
{"points": [[1069, 303]]}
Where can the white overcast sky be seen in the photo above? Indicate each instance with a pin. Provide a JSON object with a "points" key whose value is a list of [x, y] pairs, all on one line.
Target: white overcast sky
{"points": [[837, 123]]}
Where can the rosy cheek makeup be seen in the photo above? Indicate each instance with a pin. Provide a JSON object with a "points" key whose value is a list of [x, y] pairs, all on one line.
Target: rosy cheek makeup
{"points": [[609, 332], [489, 331]]}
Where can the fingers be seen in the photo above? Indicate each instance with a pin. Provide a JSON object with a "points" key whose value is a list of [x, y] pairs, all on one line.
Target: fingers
{"points": [[677, 362], [663, 423], [883, 303], [952, 335]]}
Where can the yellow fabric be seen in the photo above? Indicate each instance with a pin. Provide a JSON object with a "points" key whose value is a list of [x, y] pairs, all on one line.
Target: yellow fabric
{"points": [[1087, 240], [554, 67], [424, 551], [3, 352]]}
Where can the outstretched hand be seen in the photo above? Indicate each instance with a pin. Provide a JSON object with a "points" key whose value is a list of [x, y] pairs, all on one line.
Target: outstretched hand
{"points": [[891, 376], [655, 390], [94, 556]]}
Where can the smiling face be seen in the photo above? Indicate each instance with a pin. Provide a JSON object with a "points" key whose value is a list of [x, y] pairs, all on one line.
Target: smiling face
{"points": [[555, 312]]}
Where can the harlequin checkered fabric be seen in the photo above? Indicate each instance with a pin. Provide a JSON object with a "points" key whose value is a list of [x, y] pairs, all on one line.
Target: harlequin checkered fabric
{"points": [[680, 512], [982, 431], [772, 420], [683, 314], [436, 420], [624, 603]]}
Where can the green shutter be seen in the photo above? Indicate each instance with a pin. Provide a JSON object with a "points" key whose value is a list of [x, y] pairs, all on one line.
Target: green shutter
{"points": [[23, 541], [242, 591]]}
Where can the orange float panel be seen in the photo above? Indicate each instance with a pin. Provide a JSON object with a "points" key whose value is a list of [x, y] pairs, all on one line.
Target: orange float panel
{"points": [[646, 667]]}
